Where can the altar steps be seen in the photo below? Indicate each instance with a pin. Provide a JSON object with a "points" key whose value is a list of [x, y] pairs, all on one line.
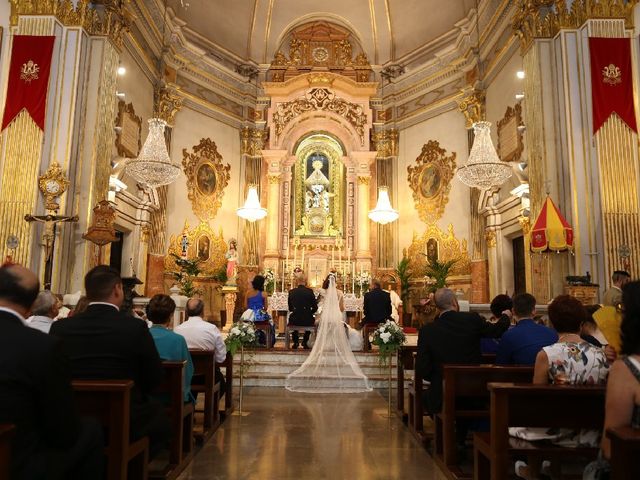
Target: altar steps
{"points": [[269, 368]]}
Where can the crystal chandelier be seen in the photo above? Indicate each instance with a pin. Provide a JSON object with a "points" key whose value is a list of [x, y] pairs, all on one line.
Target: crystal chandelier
{"points": [[383, 213], [483, 170], [153, 166], [251, 210]]}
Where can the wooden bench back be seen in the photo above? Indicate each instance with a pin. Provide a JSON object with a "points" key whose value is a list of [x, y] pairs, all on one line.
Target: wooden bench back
{"points": [[172, 384], [6, 437], [204, 362], [472, 380], [561, 406]]}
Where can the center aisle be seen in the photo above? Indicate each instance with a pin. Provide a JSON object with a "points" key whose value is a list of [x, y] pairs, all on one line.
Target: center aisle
{"points": [[291, 436]]}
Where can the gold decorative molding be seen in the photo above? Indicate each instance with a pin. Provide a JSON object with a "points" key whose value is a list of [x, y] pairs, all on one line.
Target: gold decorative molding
{"points": [[510, 144], [472, 106], [321, 99], [274, 179], [320, 80], [129, 133], [207, 178], [252, 141], [102, 230], [386, 143], [167, 102], [430, 180], [108, 18], [491, 239], [364, 180], [442, 246], [201, 243], [544, 18], [320, 45]]}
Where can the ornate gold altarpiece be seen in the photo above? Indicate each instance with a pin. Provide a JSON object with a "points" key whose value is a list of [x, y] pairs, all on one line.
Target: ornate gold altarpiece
{"points": [[443, 246]]}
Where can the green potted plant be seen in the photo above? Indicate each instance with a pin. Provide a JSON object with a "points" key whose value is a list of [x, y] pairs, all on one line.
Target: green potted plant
{"points": [[439, 271], [404, 276], [189, 269]]}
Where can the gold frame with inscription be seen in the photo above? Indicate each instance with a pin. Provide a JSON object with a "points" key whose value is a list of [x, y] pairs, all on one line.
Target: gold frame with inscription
{"points": [[508, 125], [207, 178], [430, 180], [127, 116]]}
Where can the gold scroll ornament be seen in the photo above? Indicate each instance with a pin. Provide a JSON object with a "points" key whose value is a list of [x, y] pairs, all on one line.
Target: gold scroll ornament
{"points": [[202, 243], [207, 178], [434, 243], [430, 180]]}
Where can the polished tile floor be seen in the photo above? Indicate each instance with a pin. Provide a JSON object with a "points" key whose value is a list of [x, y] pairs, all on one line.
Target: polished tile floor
{"points": [[291, 436]]}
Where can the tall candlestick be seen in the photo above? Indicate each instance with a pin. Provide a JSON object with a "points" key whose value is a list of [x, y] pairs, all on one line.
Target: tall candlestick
{"points": [[302, 262], [333, 257], [353, 277], [295, 251], [284, 269]]}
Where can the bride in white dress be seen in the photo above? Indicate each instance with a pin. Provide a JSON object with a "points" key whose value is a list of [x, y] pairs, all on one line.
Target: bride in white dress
{"points": [[354, 336], [331, 366]]}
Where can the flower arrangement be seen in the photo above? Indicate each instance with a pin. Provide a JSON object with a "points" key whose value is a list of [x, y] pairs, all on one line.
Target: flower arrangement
{"points": [[269, 280], [362, 281], [242, 334], [388, 337], [189, 269]]}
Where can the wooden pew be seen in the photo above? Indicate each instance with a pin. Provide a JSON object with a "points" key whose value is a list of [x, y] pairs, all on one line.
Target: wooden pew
{"points": [[467, 383], [6, 437], [415, 418], [180, 417], [526, 405], [625, 449], [228, 378], [403, 362], [204, 363], [109, 401]]}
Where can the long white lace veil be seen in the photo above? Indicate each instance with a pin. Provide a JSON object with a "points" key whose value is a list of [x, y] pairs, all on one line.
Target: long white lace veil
{"points": [[331, 366]]}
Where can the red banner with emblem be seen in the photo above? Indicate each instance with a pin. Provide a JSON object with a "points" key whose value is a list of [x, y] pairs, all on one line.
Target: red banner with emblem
{"points": [[28, 78], [611, 81]]}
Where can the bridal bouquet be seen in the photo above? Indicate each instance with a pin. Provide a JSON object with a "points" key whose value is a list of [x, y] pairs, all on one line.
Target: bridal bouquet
{"points": [[388, 337], [242, 334]]}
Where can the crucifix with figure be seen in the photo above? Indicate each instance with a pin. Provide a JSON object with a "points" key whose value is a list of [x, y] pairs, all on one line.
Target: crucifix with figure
{"points": [[52, 184]]}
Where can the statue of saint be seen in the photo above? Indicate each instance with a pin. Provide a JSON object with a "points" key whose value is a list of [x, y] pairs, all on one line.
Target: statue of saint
{"points": [[232, 262]]}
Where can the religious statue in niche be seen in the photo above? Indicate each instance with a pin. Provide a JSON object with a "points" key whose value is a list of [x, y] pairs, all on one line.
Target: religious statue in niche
{"points": [[232, 262], [203, 248], [432, 250], [319, 192]]}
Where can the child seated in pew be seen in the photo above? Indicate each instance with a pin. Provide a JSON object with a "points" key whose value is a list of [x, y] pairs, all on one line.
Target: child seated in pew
{"points": [[170, 345], [569, 361]]}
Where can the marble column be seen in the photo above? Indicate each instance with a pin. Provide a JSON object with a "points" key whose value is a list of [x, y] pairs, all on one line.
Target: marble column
{"points": [[363, 252], [274, 160]]}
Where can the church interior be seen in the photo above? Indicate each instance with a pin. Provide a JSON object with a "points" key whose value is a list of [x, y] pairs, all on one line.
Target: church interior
{"points": [[486, 146]]}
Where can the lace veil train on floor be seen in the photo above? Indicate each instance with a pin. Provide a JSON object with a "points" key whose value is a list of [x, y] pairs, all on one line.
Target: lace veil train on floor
{"points": [[331, 366]]}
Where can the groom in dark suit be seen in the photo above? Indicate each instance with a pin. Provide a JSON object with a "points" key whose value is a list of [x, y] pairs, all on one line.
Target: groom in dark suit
{"points": [[302, 307], [376, 304]]}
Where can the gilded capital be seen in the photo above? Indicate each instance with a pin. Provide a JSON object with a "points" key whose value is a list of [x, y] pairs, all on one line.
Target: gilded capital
{"points": [[108, 18], [491, 239], [386, 143], [166, 103], [525, 224], [544, 18], [252, 141], [472, 106], [274, 178], [364, 180]]}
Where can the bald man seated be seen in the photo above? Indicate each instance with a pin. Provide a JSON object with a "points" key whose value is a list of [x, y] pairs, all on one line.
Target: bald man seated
{"points": [[453, 337], [50, 440], [104, 343]]}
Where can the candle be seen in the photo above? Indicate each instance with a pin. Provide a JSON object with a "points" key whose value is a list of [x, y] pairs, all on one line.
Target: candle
{"points": [[302, 261], [284, 268], [295, 251], [353, 277], [333, 257]]}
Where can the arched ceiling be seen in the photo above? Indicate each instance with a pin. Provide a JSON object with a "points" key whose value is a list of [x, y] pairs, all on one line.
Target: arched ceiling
{"points": [[253, 30]]}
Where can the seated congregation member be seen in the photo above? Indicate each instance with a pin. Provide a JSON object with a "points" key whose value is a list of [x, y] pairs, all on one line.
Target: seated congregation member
{"points": [[170, 345], [376, 306], [256, 308], [623, 387], [453, 337], [500, 305], [202, 335], [104, 344], [569, 361], [43, 311], [613, 296], [520, 344], [302, 307], [50, 440]]}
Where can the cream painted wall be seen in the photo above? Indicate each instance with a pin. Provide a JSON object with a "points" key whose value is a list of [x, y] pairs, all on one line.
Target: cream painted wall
{"points": [[449, 130], [191, 126]]}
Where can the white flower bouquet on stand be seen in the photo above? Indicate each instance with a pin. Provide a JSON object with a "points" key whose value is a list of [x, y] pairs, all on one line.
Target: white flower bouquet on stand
{"points": [[241, 335], [388, 337]]}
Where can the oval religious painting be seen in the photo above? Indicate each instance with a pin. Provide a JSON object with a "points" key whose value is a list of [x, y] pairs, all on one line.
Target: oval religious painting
{"points": [[203, 248], [206, 179], [430, 181]]}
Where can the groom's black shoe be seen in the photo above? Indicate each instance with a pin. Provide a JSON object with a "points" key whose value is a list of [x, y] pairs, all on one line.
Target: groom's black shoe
{"points": [[295, 345]]}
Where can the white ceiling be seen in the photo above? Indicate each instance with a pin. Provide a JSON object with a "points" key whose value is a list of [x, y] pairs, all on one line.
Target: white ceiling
{"points": [[254, 29]]}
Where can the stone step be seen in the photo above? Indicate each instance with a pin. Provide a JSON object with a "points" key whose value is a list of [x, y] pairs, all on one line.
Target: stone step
{"points": [[377, 382]]}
